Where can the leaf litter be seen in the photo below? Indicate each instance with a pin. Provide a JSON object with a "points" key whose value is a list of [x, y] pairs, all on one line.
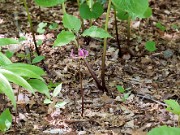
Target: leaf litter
{"points": [[151, 78]]}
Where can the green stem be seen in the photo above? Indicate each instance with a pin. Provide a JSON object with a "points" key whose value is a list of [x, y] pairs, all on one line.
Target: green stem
{"points": [[91, 21], [31, 26], [104, 49], [128, 31], [64, 8]]}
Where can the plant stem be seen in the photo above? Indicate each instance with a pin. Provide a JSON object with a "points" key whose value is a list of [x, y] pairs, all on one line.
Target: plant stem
{"points": [[31, 27], [93, 75], [128, 31], [117, 34], [86, 62], [104, 49], [81, 87], [64, 8]]}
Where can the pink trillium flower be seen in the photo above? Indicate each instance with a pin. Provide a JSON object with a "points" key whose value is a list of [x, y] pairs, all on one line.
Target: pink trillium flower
{"points": [[82, 53]]}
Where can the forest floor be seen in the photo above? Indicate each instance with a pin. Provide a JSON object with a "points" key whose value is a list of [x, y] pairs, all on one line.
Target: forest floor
{"points": [[150, 78]]}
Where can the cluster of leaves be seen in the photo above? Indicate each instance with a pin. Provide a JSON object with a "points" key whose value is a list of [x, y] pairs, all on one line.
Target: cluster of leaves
{"points": [[24, 75]]}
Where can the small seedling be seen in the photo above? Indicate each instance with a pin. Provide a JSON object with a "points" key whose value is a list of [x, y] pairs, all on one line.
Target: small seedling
{"points": [[53, 101], [41, 27], [160, 26], [150, 46], [122, 91]]}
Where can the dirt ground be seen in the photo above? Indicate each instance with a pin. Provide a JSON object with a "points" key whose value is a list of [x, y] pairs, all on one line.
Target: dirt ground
{"points": [[150, 78]]}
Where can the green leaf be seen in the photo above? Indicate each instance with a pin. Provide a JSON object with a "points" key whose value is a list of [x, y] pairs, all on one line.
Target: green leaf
{"points": [[37, 59], [135, 8], [173, 106], [47, 101], [53, 26], [64, 38], [35, 69], [39, 42], [122, 15], [125, 96], [94, 31], [160, 26], [4, 60], [60, 104], [5, 120], [150, 46], [71, 22], [147, 13], [12, 77], [91, 13], [6, 88], [120, 89], [9, 54], [49, 3], [57, 90], [164, 130], [40, 28], [25, 70], [40, 86], [22, 38], [8, 41]]}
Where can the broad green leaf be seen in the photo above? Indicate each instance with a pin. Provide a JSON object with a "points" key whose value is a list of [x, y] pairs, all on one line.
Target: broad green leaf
{"points": [[164, 130], [41, 27], [147, 13], [122, 15], [8, 41], [71, 22], [12, 77], [37, 59], [47, 101], [150, 46], [173, 106], [57, 90], [25, 67], [135, 8], [9, 54], [64, 38], [60, 104], [120, 89], [5, 120], [94, 31], [40, 86], [6, 88], [25, 70], [49, 3], [4, 60], [91, 13]]}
